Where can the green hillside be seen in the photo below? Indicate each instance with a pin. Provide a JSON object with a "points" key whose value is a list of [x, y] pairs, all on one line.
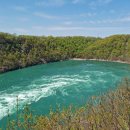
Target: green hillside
{"points": [[23, 50]]}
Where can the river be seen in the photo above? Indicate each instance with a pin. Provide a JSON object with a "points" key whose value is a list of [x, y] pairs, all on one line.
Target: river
{"points": [[64, 83]]}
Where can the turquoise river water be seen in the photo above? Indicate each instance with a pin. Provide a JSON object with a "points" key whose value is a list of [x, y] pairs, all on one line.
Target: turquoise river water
{"points": [[64, 83]]}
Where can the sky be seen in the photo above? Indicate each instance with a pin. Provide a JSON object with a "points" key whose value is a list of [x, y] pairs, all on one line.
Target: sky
{"points": [[100, 18]]}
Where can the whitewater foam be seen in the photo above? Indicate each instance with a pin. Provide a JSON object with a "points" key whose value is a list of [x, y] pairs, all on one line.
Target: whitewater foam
{"points": [[34, 92], [47, 86]]}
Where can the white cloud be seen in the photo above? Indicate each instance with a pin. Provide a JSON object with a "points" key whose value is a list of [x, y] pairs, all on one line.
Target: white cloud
{"points": [[89, 14], [58, 28], [23, 19], [69, 31], [68, 28], [20, 30], [57, 2], [47, 16], [76, 1], [120, 20], [105, 1], [125, 19], [63, 28], [68, 23], [79, 31], [20, 8], [50, 16], [50, 3], [95, 3]]}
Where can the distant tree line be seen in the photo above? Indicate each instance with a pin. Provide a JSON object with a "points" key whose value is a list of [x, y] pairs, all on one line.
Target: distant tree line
{"points": [[24, 50]]}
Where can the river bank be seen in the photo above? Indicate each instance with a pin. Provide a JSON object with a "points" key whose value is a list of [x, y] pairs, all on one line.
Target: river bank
{"points": [[118, 61], [4, 70]]}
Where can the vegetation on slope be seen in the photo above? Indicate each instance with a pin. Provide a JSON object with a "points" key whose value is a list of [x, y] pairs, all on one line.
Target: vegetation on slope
{"points": [[108, 112], [116, 47], [21, 51]]}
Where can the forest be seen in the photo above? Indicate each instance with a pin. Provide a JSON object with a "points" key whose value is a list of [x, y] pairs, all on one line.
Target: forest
{"points": [[19, 51]]}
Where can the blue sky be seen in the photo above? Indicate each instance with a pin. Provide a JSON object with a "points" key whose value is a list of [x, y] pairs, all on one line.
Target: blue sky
{"points": [[65, 17]]}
